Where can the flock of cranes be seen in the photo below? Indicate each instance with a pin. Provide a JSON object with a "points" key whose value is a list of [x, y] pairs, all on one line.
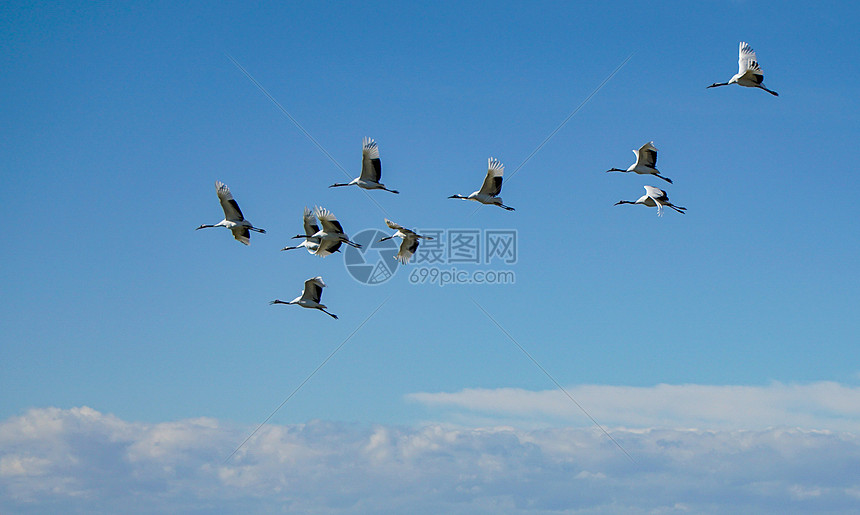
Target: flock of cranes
{"points": [[328, 240], [646, 160], [749, 75]]}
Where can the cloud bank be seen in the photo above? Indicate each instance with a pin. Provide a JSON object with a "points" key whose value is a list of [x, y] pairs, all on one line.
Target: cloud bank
{"points": [[80, 460], [818, 405]]}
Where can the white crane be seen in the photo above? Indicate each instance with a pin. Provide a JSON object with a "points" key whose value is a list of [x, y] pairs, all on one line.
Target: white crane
{"points": [[371, 168], [409, 244], [749, 73], [310, 297], [233, 218], [310, 224], [331, 235], [646, 160], [488, 194], [654, 197]]}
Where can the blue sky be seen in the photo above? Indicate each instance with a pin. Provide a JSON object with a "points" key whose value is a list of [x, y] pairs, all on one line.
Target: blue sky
{"points": [[118, 120]]}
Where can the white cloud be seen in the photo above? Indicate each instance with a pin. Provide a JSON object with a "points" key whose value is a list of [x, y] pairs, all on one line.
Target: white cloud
{"points": [[824, 405], [83, 461]]}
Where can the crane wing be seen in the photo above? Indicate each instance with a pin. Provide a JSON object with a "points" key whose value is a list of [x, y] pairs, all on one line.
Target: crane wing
{"points": [[398, 227], [647, 155], [392, 225], [313, 289], [371, 166], [327, 248], [407, 248], [493, 182], [328, 220], [242, 234], [656, 194], [228, 204], [747, 61], [310, 223]]}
